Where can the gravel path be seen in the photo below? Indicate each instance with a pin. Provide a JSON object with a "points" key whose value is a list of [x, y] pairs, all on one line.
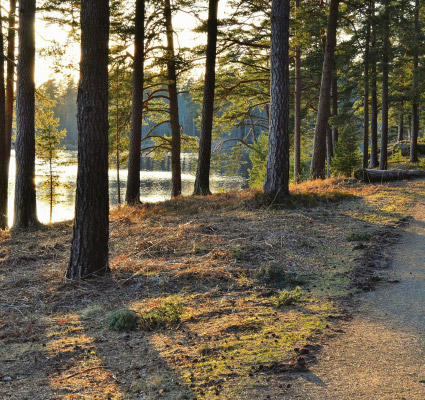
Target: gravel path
{"points": [[381, 353]]}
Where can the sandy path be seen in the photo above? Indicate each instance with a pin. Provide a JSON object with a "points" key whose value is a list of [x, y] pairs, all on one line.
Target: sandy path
{"points": [[381, 353]]}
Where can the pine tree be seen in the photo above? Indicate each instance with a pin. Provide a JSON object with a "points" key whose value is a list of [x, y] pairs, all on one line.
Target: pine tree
{"points": [[89, 251], [25, 198], [277, 175], [202, 182], [133, 179], [347, 156], [48, 143]]}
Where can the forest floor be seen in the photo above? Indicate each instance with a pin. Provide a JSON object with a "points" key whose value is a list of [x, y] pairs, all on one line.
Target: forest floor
{"points": [[380, 353], [235, 298]]}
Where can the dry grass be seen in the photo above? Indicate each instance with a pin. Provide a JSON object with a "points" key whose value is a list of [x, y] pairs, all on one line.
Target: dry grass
{"points": [[204, 253]]}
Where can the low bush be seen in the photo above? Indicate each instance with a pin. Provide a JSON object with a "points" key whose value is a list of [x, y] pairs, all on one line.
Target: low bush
{"points": [[288, 297], [168, 314], [123, 320], [278, 277]]}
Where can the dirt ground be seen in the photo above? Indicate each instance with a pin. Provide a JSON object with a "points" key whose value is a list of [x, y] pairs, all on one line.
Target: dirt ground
{"points": [[229, 262], [380, 353]]}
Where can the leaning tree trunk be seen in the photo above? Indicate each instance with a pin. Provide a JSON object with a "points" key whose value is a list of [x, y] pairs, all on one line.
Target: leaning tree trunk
{"points": [[202, 182], [297, 115], [25, 200], [319, 152], [277, 174], [89, 251], [385, 72], [174, 105], [366, 99], [373, 96], [133, 180], [4, 159], [415, 105]]}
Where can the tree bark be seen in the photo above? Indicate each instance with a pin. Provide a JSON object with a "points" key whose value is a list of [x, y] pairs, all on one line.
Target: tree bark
{"points": [[117, 135], [4, 159], [89, 251], [25, 200], [400, 135], [366, 98], [335, 132], [374, 96], [297, 114], [329, 151], [319, 152], [174, 104], [10, 74], [385, 73], [133, 180], [277, 174], [202, 182], [373, 175], [415, 103]]}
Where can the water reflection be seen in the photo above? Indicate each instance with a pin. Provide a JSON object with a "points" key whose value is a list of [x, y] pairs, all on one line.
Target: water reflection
{"points": [[155, 178]]}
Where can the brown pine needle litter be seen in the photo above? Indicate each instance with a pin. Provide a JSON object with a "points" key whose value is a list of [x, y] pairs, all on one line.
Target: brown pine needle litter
{"points": [[207, 274]]}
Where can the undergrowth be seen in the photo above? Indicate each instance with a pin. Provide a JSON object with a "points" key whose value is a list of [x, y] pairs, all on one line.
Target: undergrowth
{"points": [[168, 314], [123, 320], [288, 297]]}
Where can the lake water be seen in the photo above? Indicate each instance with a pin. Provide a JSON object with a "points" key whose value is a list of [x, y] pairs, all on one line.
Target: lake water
{"points": [[155, 184]]}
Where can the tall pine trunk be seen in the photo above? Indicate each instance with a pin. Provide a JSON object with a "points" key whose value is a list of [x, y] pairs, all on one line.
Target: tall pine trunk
{"points": [[89, 251], [25, 200], [4, 159], [133, 180], [415, 103], [319, 152], [385, 72], [373, 94], [334, 106], [329, 151], [202, 182], [400, 135], [297, 115], [174, 105], [10, 74], [117, 135], [277, 174], [366, 98]]}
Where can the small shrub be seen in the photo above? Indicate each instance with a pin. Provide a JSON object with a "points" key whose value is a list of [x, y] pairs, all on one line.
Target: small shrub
{"points": [[92, 312], [359, 237], [288, 297], [238, 253], [397, 156], [275, 276], [168, 314], [123, 320], [347, 152]]}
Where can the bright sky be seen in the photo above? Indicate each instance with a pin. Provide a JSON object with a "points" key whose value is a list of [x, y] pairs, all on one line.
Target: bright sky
{"points": [[45, 34]]}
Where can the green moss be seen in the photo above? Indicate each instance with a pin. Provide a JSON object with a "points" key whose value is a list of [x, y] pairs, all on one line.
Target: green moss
{"points": [[359, 237], [168, 314], [288, 297]]}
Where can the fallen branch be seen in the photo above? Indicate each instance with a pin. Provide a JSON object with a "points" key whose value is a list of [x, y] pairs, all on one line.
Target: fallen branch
{"points": [[372, 175], [82, 372]]}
